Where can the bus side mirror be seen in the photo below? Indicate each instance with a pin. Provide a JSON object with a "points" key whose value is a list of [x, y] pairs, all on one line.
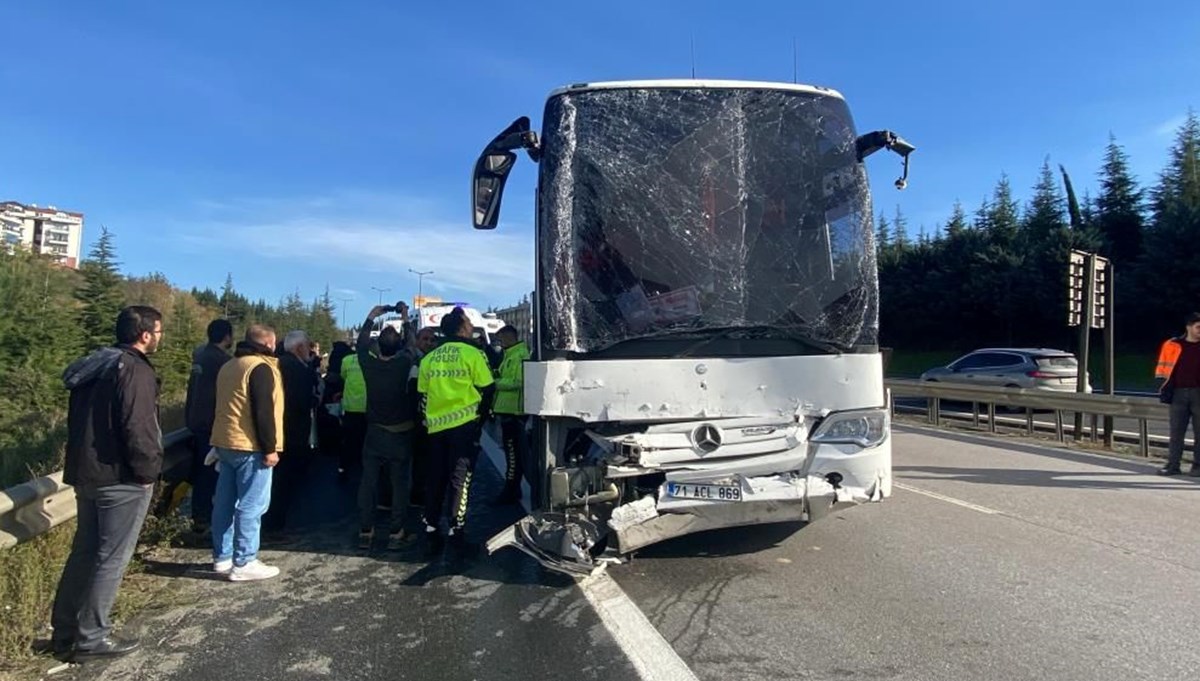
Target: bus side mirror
{"points": [[487, 186], [872, 142], [493, 166]]}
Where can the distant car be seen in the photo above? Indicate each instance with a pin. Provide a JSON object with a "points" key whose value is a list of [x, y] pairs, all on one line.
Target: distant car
{"points": [[1037, 368]]}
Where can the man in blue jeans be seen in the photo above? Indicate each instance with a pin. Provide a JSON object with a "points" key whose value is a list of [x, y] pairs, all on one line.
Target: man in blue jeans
{"points": [[114, 456], [248, 435]]}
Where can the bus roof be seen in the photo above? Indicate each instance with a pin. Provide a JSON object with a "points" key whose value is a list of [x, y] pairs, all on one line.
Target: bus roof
{"points": [[696, 84]]}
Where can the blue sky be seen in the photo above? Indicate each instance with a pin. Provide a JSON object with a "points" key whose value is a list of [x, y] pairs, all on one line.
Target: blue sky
{"points": [[298, 144]]}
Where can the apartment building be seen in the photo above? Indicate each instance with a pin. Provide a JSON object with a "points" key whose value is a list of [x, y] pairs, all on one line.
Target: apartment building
{"points": [[45, 230]]}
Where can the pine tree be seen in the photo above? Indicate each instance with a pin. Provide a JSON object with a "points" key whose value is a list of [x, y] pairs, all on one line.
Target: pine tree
{"points": [[1168, 274], [1001, 221], [1044, 217], [883, 235], [100, 294], [900, 231], [1177, 195], [1119, 216], [957, 224]]}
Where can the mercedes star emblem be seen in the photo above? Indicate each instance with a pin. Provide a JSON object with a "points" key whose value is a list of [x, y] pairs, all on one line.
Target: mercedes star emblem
{"points": [[707, 437]]}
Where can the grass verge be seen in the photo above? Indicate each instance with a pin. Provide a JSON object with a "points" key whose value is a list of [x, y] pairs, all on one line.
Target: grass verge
{"points": [[29, 575]]}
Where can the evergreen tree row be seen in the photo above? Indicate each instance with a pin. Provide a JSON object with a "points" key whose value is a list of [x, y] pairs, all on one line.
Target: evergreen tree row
{"points": [[999, 276], [53, 315]]}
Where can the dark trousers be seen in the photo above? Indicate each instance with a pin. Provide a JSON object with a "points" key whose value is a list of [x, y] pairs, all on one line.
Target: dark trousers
{"points": [[452, 456], [1185, 408], [109, 521], [420, 466], [382, 451], [512, 436], [289, 475], [202, 478], [354, 433]]}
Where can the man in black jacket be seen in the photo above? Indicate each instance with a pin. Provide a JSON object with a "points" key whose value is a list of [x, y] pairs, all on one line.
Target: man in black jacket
{"points": [[114, 456], [201, 404], [299, 398], [391, 420]]}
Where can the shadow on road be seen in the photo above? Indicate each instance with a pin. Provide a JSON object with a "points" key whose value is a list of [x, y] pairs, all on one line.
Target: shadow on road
{"points": [[323, 520], [732, 541]]}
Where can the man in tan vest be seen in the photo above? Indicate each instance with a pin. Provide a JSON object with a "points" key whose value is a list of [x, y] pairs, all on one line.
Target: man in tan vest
{"points": [[248, 436]]}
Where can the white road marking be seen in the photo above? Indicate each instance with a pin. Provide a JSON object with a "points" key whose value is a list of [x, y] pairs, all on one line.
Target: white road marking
{"points": [[949, 500], [649, 653]]}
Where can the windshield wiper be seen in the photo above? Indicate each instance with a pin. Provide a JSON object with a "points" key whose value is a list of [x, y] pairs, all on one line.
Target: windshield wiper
{"points": [[789, 334]]}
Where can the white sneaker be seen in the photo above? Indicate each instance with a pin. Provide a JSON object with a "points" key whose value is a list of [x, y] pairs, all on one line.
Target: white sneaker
{"points": [[252, 571], [223, 567]]}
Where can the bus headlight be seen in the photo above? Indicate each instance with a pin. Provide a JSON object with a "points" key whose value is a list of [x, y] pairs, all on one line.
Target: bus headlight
{"points": [[862, 427]]}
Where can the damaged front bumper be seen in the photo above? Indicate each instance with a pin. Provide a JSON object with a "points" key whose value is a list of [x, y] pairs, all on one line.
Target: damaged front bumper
{"points": [[569, 542]]}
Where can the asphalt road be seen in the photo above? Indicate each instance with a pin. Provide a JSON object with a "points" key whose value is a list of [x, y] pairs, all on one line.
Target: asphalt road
{"points": [[998, 562], [1011, 563]]}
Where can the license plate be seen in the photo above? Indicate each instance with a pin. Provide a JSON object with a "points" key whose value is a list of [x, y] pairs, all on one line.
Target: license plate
{"points": [[707, 492]]}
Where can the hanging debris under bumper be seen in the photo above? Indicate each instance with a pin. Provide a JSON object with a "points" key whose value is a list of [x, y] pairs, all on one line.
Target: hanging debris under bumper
{"points": [[569, 542]]}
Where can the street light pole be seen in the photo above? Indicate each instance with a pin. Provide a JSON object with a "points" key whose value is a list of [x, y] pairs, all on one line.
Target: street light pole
{"points": [[381, 292], [420, 284], [344, 301]]}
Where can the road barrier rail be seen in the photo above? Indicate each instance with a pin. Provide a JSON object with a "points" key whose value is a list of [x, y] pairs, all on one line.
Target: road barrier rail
{"points": [[1098, 411], [35, 507]]}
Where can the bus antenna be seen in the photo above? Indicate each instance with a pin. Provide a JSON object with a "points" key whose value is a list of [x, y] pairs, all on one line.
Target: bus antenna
{"points": [[692, 39]]}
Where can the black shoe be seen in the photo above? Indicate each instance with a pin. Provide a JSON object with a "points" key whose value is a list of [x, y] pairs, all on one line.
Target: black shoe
{"points": [[1194, 472], [47, 646], [108, 647], [1169, 470]]}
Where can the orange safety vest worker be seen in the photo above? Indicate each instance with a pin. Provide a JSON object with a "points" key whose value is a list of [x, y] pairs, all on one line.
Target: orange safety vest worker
{"points": [[1167, 357]]}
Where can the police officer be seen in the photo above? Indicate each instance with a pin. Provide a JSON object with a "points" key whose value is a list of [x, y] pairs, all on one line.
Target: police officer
{"points": [[457, 390], [510, 411]]}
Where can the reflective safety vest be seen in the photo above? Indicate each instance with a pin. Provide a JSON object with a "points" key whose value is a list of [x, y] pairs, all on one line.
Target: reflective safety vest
{"points": [[354, 390], [510, 381], [1167, 357], [450, 378]]}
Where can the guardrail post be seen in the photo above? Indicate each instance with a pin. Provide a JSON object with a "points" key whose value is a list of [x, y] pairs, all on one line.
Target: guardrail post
{"points": [[991, 417], [1144, 438], [1029, 420], [1109, 427], [935, 416], [975, 413], [1094, 419], [1058, 426]]}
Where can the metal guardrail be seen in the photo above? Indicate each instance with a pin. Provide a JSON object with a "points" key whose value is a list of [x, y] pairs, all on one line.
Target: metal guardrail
{"points": [[35, 507], [1142, 408]]}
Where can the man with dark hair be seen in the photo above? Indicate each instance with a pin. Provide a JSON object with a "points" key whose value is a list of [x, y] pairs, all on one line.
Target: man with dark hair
{"points": [[114, 456], [1179, 370], [390, 423], [458, 388], [299, 398], [248, 433], [199, 409], [510, 410]]}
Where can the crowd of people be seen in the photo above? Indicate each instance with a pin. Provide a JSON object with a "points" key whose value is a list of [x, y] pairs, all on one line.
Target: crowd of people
{"points": [[406, 406]]}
